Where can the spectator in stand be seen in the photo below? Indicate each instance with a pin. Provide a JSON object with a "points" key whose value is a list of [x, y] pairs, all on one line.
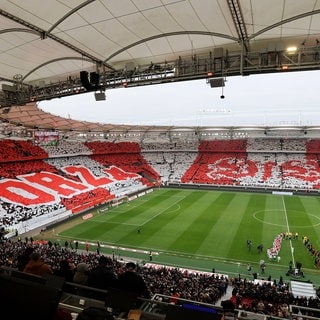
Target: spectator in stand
{"points": [[24, 258], [133, 282], [65, 270], [82, 273], [37, 265], [102, 276]]}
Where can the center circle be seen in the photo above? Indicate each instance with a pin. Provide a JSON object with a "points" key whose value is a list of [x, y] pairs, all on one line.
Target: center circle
{"points": [[292, 214]]}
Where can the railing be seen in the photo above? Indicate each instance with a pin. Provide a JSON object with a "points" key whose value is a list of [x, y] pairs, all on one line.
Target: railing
{"points": [[197, 66]]}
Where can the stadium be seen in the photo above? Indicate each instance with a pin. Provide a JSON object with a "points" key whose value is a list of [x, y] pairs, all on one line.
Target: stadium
{"points": [[221, 221]]}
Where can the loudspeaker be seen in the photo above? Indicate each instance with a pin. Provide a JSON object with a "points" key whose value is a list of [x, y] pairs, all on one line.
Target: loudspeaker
{"points": [[216, 82], [84, 78], [100, 96], [94, 78]]}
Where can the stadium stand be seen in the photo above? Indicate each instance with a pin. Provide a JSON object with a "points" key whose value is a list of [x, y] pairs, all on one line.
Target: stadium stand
{"points": [[169, 286], [115, 170]]}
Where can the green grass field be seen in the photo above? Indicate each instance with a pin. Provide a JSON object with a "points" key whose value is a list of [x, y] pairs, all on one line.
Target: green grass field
{"points": [[207, 229]]}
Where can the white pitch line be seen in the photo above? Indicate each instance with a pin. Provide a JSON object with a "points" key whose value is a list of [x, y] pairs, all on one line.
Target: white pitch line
{"points": [[288, 229], [160, 212]]}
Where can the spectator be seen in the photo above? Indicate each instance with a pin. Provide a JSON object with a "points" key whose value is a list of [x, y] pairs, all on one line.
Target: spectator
{"points": [[65, 270], [102, 276], [62, 314], [132, 282], [37, 265], [24, 258], [82, 274]]}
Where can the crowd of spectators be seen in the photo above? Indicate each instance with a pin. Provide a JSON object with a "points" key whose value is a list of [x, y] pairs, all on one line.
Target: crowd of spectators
{"points": [[268, 297], [269, 162], [164, 281], [13, 214]]}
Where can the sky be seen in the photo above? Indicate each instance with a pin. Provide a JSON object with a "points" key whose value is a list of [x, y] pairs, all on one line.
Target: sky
{"points": [[287, 98]]}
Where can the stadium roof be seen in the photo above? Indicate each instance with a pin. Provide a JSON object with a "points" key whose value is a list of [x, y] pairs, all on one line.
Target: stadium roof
{"points": [[44, 42]]}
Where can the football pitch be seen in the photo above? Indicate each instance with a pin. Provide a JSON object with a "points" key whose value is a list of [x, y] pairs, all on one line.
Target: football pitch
{"points": [[205, 230]]}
